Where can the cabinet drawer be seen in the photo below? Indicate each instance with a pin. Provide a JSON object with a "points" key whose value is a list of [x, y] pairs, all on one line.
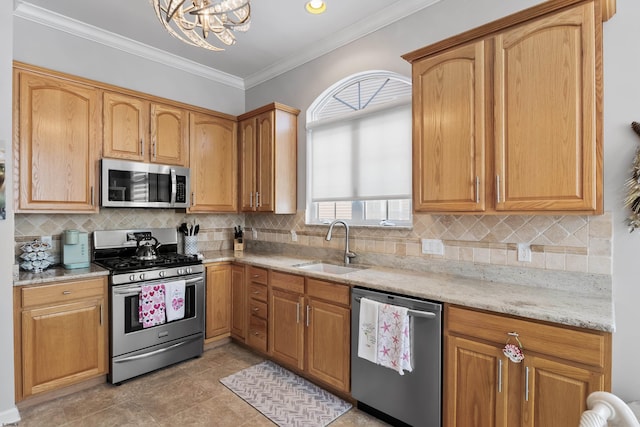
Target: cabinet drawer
{"points": [[328, 291], [62, 292], [258, 308], [258, 275], [258, 292], [287, 282], [583, 346], [257, 336]]}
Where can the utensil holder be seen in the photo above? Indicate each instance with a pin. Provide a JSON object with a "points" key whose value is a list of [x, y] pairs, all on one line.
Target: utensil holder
{"points": [[238, 245], [190, 245]]}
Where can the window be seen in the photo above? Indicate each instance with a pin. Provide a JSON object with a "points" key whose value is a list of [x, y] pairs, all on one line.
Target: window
{"points": [[359, 151]]}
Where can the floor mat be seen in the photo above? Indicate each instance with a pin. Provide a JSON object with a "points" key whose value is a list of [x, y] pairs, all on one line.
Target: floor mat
{"points": [[284, 397]]}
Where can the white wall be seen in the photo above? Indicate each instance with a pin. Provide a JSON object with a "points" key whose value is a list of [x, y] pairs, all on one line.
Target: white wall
{"points": [[621, 107], [50, 48], [382, 50], [8, 411]]}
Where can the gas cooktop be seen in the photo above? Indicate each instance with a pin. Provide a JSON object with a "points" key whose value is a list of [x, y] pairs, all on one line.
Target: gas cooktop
{"points": [[131, 263]]}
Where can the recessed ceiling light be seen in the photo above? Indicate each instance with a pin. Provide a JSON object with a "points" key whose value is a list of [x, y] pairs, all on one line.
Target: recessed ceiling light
{"points": [[316, 6]]}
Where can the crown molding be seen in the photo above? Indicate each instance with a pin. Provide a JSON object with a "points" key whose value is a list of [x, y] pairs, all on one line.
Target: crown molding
{"points": [[383, 18], [59, 22]]}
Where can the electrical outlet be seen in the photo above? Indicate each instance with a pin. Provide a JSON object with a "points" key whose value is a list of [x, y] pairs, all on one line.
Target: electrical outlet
{"points": [[254, 234], [524, 252], [46, 239], [294, 236], [432, 247]]}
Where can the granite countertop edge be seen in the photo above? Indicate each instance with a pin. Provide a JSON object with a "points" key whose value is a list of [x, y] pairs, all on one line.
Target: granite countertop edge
{"points": [[584, 310]]}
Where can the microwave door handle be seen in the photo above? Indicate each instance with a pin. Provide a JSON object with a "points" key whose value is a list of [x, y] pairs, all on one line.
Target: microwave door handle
{"points": [[174, 187]]}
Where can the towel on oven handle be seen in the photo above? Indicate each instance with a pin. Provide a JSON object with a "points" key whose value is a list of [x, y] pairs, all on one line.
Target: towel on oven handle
{"points": [[151, 306], [174, 299]]}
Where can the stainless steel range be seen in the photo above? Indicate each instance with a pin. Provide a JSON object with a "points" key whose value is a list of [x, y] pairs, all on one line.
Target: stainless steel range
{"points": [[141, 260]]}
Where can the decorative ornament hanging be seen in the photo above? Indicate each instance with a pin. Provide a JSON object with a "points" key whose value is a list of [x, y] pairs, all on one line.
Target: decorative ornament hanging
{"points": [[513, 351], [632, 200]]}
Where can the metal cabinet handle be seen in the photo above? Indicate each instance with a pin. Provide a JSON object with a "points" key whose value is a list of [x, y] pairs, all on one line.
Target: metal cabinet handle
{"points": [[297, 313], [142, 146], [499, 375], [251, 199], [154, 149], [257, 199], [66, 292], [92, 201], [308, 308], [526, 384], [498, 188], [255, 309], [193, 198], [477, 189], [100, 314]]}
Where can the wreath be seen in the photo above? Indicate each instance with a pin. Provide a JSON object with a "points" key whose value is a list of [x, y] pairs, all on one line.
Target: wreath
{"points": [[632, 200]]}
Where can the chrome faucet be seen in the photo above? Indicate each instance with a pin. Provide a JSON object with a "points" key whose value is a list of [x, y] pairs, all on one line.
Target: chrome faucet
{"points": [[347, 253]]}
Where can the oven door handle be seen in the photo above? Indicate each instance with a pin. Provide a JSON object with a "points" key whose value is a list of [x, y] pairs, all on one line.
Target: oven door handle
{"points": [[161, 350], [136, 290]]}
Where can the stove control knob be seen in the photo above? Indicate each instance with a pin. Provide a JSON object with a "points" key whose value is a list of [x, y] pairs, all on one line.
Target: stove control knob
{"points": [[161, 274], [141, 276], [180, 271], [132, 277], [189, 270]]}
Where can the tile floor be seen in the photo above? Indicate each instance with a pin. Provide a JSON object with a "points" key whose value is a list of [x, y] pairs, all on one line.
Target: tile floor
{"points": [[186, 394]]}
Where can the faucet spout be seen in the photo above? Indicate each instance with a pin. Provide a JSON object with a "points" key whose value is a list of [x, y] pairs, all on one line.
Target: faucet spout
{"points": [[347, 253]]}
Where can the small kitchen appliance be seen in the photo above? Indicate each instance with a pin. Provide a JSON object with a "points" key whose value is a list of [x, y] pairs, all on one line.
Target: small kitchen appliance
{"points": [[75, 249]]}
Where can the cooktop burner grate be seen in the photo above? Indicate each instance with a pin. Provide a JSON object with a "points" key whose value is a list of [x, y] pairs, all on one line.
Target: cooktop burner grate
{"points": [[122, 264]]}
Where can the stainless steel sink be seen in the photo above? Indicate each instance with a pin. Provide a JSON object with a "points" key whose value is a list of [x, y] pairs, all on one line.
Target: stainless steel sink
{"points": [[326, 267]]}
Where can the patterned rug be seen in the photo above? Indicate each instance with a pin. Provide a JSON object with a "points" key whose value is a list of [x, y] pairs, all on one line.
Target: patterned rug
{"points": [[285, 398]]}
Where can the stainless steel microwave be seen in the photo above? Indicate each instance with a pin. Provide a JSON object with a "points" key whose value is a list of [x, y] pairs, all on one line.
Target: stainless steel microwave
{"points": [[127, 184]]}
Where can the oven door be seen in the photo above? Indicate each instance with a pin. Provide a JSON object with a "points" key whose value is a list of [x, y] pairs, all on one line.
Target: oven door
{"points": [[127, 332]]}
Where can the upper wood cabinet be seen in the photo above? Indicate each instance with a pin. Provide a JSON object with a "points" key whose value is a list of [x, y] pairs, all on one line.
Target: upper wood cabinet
{"points": [[214, 164], [136, 129], [268, 159], [57, 143], [508, 117]]}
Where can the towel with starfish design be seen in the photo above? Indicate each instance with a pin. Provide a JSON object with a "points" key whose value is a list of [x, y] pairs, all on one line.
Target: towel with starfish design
{"points": [[394, 338]]}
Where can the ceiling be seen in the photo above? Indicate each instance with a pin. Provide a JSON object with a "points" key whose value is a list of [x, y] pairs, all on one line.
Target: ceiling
{"points": [[282, 34]]}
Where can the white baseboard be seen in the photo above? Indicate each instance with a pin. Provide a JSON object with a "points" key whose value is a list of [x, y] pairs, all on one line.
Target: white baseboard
{"points": [[10, 416]]}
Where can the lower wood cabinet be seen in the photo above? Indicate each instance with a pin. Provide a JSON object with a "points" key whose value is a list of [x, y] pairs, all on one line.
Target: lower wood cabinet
{"points": [[60, 334], [309, 327], [218, 301], [238, 302], [549, 388]]}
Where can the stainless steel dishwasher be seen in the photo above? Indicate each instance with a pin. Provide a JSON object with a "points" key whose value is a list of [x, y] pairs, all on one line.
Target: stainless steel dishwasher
{"points": [[414, 398]]}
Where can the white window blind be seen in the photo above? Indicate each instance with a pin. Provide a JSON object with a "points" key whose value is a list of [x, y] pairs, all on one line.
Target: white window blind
{"points": [[364, 157]]}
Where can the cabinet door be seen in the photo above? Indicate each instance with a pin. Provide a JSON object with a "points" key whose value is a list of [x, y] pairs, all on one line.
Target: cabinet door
{"points": [[546, 133], [248, 160], [286, 330], [218, 317], [214, 162], [265, 177], [555, 394], [126, 127], [59, 139], [238, 303], [449, 131], [169, 135], [62, 345], [475, 381], [328, 343]]}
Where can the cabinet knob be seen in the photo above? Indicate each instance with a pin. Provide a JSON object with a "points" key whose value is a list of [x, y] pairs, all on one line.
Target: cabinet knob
{"points": [[66, 292], [256, 309]]}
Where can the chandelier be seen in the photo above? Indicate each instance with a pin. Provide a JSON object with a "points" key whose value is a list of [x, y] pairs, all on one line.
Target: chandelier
{"points": [[192, 23]]}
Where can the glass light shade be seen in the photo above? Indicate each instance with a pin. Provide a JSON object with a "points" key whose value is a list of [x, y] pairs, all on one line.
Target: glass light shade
{"points": [[316, 6]]}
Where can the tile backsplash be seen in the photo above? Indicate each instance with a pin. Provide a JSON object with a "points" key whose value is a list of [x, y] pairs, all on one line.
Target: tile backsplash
{"points": [[570, 243], [566, 243]]}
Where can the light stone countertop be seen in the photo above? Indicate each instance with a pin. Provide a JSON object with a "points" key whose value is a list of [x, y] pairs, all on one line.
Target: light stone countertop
{"points": [[585, 310]]}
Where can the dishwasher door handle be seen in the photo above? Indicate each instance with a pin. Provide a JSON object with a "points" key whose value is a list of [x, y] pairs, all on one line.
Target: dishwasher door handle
{"points": [[414, 313]]}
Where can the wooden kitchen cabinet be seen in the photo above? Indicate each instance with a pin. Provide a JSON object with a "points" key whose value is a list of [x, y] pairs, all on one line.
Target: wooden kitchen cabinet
{"points": [[309, 328], [214, 164], [549, 388], [238, 303], [508, 116], [268, 159], [218, 301], [258, 314], [142, 130], [60, 335], [57, 143]]}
